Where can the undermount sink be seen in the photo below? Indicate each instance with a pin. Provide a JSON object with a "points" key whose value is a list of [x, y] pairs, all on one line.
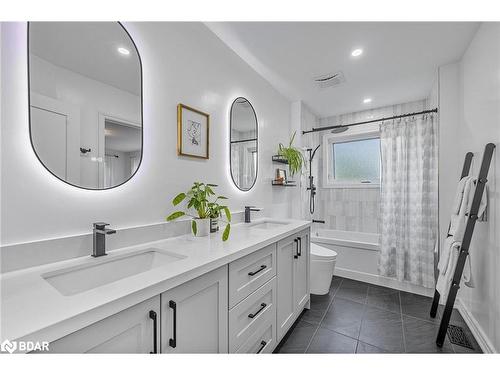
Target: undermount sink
{"points": [[77, 279], [268, 224]]}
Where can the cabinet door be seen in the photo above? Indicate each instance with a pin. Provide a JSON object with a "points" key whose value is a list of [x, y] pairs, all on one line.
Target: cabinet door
{"points": [[301, 273], [194, 315], [129, 331], [286, 253]]}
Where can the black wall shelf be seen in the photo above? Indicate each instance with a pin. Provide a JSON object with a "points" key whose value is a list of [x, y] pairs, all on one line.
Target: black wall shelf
{"points": [[286, 184], [279, 159]]}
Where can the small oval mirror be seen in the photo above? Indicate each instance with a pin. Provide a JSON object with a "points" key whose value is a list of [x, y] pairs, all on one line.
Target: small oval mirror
{"points": [[85, 102], [244, 144]]}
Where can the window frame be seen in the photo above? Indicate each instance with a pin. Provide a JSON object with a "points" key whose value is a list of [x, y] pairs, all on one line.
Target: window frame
{"points": [[332, 138]]}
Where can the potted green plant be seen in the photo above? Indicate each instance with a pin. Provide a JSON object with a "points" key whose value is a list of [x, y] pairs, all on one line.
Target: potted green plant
{"points": [[202, 199], [292, 155]]}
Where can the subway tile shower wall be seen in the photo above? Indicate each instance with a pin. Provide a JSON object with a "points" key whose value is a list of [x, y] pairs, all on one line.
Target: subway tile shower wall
{"points": [[350, 209]]}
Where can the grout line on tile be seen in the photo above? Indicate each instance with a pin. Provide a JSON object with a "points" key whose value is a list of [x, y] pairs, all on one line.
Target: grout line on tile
{"points": [[340, 333], [378, 347], [402, 322], [421, 319], [321, 320], [366, 296]]}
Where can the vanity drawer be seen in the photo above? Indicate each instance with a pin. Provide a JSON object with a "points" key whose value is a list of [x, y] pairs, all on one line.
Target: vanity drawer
{"points": [[262, 341], [249, 273], [251, 314]]}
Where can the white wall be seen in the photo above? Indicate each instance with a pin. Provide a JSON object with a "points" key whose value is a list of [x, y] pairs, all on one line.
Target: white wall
{"points": [[480, 124], [450, 156], [470, 118], [303, 119], [182, 63]]}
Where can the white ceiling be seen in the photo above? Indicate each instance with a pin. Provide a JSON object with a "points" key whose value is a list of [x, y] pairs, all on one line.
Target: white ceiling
{"points": [[399, 62], [90, 49]]}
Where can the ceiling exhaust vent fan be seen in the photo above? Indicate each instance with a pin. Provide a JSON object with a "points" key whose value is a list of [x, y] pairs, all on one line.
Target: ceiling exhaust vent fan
{"points": [[329, 80]]}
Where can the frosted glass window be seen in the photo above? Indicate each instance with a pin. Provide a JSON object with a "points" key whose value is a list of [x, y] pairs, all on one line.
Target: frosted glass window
{"points": [[356, 161]]}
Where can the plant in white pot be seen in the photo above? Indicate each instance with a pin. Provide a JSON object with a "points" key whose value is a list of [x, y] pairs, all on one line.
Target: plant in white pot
{"points": [[204, 201]]}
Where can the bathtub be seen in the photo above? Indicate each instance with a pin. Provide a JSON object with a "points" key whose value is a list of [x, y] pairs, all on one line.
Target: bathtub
{"points": [[357, 258], [358, 252]]}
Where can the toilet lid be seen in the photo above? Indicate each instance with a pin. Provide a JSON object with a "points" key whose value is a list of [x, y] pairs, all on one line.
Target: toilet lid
{"points": [[322, 253]]}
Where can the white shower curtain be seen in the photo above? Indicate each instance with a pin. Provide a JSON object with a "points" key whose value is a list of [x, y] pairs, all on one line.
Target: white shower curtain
{"points": [[409, 200]]}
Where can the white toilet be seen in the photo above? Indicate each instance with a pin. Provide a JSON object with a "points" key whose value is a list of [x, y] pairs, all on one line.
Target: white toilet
{"points": [[322, 265]]}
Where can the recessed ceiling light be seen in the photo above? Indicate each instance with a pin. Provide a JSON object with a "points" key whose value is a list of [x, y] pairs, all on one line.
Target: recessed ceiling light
{"points": [[123, 51], [367, 100], [357, 52]]}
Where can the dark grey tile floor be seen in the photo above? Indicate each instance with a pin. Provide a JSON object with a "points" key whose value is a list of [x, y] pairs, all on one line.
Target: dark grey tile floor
{"points": [[356, 317]]}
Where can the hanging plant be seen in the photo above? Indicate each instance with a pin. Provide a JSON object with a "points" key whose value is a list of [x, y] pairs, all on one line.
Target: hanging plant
{"points": [[292, 155]]}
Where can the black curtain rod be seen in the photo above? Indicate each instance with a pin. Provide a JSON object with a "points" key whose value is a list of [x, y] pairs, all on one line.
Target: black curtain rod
{"points": [[313, 130]]}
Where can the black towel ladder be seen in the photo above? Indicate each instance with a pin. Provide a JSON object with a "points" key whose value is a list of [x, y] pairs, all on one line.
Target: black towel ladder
{"points": [[464, 248]]}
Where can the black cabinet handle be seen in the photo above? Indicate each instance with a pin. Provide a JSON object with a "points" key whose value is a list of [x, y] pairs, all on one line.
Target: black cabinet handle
{"points": [[173, 341], [262, 307], [296, 248], [300, 246], [152, 315], [262, 268], [262, 346]]}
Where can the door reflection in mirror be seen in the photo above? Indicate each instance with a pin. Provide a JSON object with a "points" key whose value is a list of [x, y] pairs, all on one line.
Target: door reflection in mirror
{"points": [[122, 152], [244, 160]]}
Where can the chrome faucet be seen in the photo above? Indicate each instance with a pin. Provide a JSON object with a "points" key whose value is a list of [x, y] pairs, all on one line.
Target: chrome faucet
{"points": [[100, 233], [248, 209]]}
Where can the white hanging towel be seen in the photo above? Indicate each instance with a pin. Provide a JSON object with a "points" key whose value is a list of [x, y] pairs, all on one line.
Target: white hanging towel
{"points": [[451, 246]]}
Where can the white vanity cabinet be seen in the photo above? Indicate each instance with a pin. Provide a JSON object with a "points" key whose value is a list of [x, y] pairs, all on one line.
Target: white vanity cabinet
{"points": [[245, 306], [292, 279], [194, 315], [190, 318], [130, 331]]}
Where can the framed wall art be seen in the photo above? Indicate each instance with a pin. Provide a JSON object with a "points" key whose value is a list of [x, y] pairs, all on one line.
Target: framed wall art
{"points": [[192, 132]]}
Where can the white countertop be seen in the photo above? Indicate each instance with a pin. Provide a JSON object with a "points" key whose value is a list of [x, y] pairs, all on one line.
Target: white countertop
{"points": [[32, 309]]}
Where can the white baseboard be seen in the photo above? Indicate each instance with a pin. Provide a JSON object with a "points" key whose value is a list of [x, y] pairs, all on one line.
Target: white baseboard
{"points": [[478, 333], [383, 281]]}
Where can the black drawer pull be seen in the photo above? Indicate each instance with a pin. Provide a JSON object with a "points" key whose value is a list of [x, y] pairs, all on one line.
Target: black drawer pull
{"points": [[262, 268], [173, 341], [152, 315], [296, 240], [262, 346], [300, 246], [262, 307]]}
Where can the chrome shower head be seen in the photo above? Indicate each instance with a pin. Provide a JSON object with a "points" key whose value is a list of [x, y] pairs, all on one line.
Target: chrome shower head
{"points": [[340, 129]]}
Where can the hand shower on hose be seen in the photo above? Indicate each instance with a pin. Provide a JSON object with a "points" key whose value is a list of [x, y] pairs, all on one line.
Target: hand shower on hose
{"points": [[311, 187]]}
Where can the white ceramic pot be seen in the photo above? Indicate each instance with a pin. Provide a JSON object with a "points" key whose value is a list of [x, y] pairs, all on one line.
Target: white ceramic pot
{"points": [[202, 227]]}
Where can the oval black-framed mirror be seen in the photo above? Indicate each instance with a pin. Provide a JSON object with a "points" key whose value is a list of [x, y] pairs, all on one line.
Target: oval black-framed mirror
{"points": [[243, 144], [85, 102]]}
